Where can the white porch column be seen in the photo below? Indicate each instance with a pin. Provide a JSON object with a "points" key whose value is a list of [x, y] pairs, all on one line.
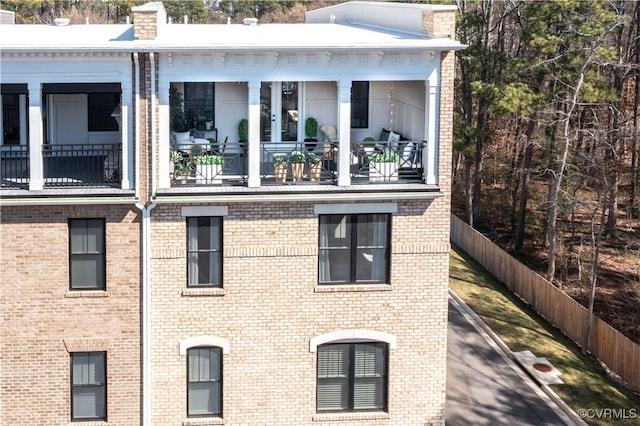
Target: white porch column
{"points": [[125, 132], [164, 135], [254, 134], [36, 179], [344, 132], [432, 132]]}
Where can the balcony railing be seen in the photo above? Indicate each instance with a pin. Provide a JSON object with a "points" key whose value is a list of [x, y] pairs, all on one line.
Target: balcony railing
{"points": [[14, 167], [69, 165], [208, 164], [387, 162], [292, 163]]}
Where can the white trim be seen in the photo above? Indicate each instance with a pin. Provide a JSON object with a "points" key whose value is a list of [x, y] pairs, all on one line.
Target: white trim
{"points": [[191, 211], [355, 208], [352, 336], [193, 342]]}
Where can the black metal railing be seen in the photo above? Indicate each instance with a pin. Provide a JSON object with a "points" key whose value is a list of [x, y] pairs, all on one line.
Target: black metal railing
{"points": [[208, 164], [387, 162], [293, 162], [14, 166], [82, 165]]}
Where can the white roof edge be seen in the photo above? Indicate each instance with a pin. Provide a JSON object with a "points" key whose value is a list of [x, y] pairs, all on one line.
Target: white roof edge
{"points": [[435, 7]]}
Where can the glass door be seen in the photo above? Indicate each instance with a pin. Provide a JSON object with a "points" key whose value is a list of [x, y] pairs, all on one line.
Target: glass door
{"points": [[279, 111]]}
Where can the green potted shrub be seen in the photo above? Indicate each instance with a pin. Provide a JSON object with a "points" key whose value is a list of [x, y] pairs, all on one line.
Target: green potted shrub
{"points": [[311, 133], [383, 167], [178, 167], [297, 160], [315, 166], [209, 168], [280, 167], [243, 130], [179, 123], [208, 121], [369, 145]]}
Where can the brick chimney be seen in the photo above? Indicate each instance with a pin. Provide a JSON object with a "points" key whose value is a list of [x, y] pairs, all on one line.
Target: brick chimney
{"points": [[440, 22], [146, 20]]}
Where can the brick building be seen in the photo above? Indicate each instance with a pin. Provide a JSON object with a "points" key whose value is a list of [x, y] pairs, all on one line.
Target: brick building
{"points": [[180, 279]]}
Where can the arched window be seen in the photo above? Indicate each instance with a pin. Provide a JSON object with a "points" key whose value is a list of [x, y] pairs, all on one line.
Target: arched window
{"points": [[204, 381], [352, 370], [204, 374]]}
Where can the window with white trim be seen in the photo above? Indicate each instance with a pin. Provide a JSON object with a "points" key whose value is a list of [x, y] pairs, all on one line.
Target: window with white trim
{"points": [[354, 248], [204, 381], [204, 251], [87, 254], [352, 377], [88, 386]]}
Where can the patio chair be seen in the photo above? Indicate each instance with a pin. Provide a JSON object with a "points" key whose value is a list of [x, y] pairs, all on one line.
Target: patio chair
{"points": [[331, 136]]}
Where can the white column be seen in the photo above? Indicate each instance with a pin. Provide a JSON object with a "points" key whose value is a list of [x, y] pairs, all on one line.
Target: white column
{"points": [[344, 132], [126, 131], [164, 136], [254, 134], [36, 180], [431, 161]]}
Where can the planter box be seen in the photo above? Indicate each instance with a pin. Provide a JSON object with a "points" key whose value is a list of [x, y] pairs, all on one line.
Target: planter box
{"points": [[280, 172], [297, 169], [208, 174], [315, 171], [383, 172]]}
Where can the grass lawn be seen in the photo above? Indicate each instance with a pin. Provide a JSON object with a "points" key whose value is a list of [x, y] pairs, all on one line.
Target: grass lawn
{"points": [[586, 386]]}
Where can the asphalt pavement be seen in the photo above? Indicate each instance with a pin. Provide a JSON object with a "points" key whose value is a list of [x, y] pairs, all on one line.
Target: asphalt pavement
{"points": [[486, 387]]}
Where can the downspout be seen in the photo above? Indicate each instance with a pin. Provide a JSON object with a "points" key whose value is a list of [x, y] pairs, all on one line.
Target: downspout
{"points": [[146, 311], [152, 58], [137, 123]]}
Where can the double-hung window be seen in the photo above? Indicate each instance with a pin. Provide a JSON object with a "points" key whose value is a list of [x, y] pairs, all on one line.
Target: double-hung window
{"points": [[88, 386], [204, 387], [354, 248], [204, 251], [87, 254], [352, 377]]}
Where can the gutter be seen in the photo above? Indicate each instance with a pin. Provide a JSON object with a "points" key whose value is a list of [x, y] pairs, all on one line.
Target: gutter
{"points": [[152, 59], [137, 122], [146, 311]]}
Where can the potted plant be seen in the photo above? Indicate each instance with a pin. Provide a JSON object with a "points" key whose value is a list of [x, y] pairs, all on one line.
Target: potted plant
{"points": [[209, 168], [280, 167], [369, 145], [315, 166], [178, 168], [208, 121], [297, 160], [383, 167], [311, 131], [179, 122], [243, 130]]}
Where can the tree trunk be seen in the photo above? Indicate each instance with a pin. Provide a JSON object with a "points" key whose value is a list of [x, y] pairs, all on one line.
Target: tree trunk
{"points": [[468, 196], [524, 192]]}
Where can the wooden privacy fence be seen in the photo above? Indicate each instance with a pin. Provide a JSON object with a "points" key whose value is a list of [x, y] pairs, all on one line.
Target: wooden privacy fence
{"points": [[619, 353]]}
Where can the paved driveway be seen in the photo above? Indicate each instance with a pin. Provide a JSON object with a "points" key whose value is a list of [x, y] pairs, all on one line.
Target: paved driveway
{"points": [[482, 386]]}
